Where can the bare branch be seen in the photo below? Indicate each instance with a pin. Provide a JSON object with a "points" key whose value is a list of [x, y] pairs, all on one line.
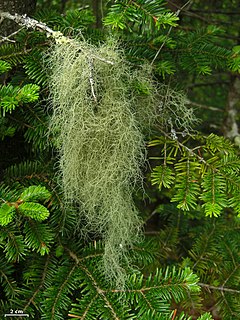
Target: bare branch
{"points": [[10, 36], [205, 106], [222, 288], [169, 31], [91, 80], [216, 12]]}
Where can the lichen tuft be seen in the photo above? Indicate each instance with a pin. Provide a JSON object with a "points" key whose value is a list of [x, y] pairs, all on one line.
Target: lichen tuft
{"points": [[100, 112]]}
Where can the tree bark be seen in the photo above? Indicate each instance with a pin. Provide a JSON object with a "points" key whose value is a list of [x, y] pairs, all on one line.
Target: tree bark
{"points": [[14, 6], [231, 125], [97, 11]]}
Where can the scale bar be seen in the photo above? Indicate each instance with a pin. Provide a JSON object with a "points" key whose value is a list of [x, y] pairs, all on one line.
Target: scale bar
{"points": [[16, 315]]}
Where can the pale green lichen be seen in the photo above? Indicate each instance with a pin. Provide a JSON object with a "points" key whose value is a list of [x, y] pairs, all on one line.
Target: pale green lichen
{"points": [[100, 111]]}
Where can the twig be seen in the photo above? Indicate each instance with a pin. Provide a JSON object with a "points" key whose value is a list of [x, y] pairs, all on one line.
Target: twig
{"points": [[102, 59], [31, 300], [150, 216], [216, 12], [169, 31], [201, 159], [162, 45], [205, 84], [174, 314], [91, 80], [222, 288], [10, 36], [206, 107]]}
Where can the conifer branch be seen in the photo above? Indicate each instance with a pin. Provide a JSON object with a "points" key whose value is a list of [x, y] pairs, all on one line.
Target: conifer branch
{"points": [[79, 260], [169, 31], [30, 23], [221, 288], [31, 300], [88, 307], [191, 152], [58, 36], [101, 292], [205, 247], [61, 290]]}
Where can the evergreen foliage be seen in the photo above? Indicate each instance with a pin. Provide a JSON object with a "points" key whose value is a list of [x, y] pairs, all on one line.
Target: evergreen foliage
{"points": [[179, 270], [206, 174], [125, 15]]}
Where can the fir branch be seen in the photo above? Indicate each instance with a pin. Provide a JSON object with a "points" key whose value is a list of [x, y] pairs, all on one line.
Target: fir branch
{"points": [[79, 260], [28, 23], [169, 31], [31, 23], [40, 286], [6, 280], [87, 308], [184, 147], [206, 246], [101, 292], [61, 289], [220, 288]]}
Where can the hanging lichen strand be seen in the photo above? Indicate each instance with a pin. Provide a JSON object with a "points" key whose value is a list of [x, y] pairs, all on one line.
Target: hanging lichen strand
{"points": [[100, 110], [101, 146]]}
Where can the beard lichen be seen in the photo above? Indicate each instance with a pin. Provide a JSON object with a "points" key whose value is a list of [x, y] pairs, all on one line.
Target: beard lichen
{"points": [[101, 108]]}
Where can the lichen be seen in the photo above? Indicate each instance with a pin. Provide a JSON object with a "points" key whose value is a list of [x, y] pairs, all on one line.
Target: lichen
{"points": [[100, 112]]}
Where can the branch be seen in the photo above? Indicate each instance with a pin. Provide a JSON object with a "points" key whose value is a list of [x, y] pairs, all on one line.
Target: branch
{"points": [[170, 29], [91, 80], [216, 11], [191, 151], [58, 36], [203, 84], [32, 299], [223, 289], [10, 36], [203, 106], [30, 23]]}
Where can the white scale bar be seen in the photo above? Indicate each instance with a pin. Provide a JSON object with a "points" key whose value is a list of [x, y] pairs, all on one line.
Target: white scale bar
{"points": [[16, 315]]}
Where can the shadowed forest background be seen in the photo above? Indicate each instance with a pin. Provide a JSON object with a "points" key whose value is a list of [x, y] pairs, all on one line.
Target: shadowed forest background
{"points": [[119, 162]]}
